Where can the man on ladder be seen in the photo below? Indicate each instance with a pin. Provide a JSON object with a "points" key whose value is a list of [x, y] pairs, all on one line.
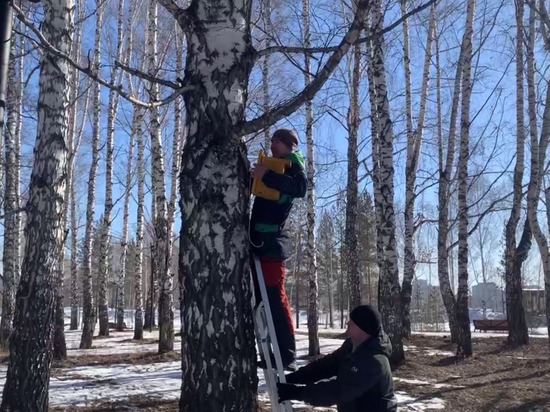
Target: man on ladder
{"points": [[271, 246]]}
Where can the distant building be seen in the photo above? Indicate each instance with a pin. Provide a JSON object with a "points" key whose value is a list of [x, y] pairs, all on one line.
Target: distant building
{"points": [[534, 302], [420, 293], [487, 296]]}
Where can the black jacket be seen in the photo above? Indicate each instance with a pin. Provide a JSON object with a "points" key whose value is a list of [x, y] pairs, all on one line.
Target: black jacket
{"points": [[359, 381], [268, 235]]}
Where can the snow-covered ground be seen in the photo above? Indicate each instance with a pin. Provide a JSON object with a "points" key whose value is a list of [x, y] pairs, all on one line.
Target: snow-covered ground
{"points": [[86, 385]]}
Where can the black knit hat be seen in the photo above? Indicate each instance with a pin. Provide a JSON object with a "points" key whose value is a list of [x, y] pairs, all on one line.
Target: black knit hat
{"points": [[367, 318], [287, 136]]}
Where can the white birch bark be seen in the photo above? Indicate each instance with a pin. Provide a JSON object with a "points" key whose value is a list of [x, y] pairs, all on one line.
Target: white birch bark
{"points": [[10, 201], [352, 192], [539, 147], [389, 289], [178, 140], [105, 241], [514, 256], [121, 276], [464, 347], [75, 77], [88, 315], [446, 164], [26, 386], [414, 143], [162, 239], [17, 142], [137, 123], [313, 287], [78, 131]]}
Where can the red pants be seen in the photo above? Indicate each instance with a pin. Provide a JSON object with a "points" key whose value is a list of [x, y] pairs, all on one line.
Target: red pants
{"points": [[274, 272]]}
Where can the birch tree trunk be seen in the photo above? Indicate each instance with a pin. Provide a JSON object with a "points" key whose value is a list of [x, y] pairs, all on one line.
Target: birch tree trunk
{"points": [[446, 164], [5, 51], [515, 256], [27, 380], [352, 192], [214, 272], [76, 53], [10, 200], [124, 242], [88, 315], [389, 299], [464, 347], [268, 30], [105, 241], [163, 239], [18, 130], [539, 147], [137, 123], [414, 143], [313, 287]]}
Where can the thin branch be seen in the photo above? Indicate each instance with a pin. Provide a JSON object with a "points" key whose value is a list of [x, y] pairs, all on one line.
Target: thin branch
{"points": [[148, 77]]}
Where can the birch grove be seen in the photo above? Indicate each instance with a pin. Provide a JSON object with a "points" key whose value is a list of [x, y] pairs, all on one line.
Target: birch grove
{"points": [[412, 153]]}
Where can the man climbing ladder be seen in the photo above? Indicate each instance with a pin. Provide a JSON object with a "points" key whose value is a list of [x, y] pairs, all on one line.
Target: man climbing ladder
{"points": [[270, 248], [269, 239]]}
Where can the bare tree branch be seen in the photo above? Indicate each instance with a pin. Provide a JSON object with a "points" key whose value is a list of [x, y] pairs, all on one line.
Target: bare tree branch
{"points": [[309, 91], [90, 72], [148, 77], [312, 50]]}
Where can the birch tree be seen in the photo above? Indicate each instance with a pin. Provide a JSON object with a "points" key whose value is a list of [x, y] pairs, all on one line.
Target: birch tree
{"points": [[73, 150], [464, 347], [213, 186], [514, 256], [389, 295], [88, 315], [313, 287], [352, 191], [137, 123], [105, 241], [26, 388], [163, 239], [10, 198], [539, 147], [268, 30], [446, 164], [414, 144], [121, 276]]}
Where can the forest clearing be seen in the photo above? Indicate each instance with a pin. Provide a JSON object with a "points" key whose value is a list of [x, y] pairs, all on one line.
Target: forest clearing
{"points": [[412, 187], [121, 374]]}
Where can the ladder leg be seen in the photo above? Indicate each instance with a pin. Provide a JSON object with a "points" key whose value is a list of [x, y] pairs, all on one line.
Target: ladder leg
{"points": [[267, 343]]}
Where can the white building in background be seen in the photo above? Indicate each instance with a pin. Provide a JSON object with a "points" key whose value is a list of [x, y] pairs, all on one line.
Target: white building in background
{"points": [[487, 296], [534, 301]]}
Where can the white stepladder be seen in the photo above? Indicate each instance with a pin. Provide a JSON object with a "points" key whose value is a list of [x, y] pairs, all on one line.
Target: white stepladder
{"points": [[266, 339]]}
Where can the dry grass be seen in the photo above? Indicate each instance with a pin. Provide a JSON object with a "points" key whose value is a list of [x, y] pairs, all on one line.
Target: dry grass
{"points": [[496, 378]]}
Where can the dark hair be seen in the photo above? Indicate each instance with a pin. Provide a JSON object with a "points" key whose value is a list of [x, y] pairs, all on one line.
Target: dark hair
{"points": [[287, 136]]}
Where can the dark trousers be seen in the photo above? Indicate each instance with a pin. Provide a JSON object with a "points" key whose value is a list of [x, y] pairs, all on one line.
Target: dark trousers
{"points": [[274, 272]]}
